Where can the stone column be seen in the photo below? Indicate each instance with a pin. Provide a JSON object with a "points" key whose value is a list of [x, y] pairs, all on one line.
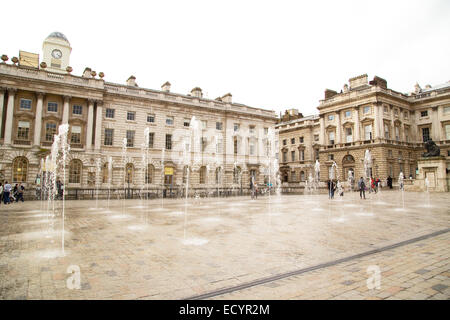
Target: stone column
{"points": [[357, 126], [38, 120], [2, 98], [90, 123], [376, 122], [9, 116], [338, 127], [436, 125], [98, 125], [65, 117], [392, 129], [322, 130]]}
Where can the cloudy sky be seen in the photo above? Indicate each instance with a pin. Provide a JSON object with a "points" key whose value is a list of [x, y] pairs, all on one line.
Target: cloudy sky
{"points": [[271, 54]]}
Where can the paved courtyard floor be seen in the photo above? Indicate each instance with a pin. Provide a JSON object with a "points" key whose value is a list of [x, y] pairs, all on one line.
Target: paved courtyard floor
{"points": [[286, 247]]}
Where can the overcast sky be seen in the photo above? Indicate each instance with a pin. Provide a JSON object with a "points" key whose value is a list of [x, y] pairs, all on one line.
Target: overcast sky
{"points": [[270, 54]]}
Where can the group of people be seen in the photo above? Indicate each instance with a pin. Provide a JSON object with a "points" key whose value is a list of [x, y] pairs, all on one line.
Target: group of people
{"points": [[333, 187], [8, 194]]}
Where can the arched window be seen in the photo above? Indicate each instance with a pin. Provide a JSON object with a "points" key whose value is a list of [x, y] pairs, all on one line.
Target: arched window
{"points": [[20, 169], [302, 176], [129, 173], [218, 175], [149, 174], [105, 173], [75, 171], [236, 174], [203, 175]]}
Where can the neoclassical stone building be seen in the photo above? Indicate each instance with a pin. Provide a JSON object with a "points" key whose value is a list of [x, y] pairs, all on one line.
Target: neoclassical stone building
{"points": [[366, 115], [229, 146]]}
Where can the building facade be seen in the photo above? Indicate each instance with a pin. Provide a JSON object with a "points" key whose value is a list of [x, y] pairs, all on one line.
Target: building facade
{"points": [[110, 122], [367, 115]]}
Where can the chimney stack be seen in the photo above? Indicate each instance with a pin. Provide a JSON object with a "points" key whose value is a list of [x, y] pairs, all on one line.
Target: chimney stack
{"points": [[227, 98], [131, 81], [197, 92], [166, 86]]}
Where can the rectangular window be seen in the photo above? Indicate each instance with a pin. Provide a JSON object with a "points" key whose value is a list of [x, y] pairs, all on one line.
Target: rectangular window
{"points": [[151, 137], [186, 123], [252, 148], [284, 142], [151, 118], [168, 142], [348, 135], [52, 107], [301, 139], [284, 156], [331, 137], [389, 153], [77, 109], [406, 134], [219, 146], [331, 117], [50, 131], [204, 124], [203, 143], [425, 134], [75, 136], [368, 132], [397, 133], [293, 155], [385, 110], [348, 114], [331, 157], [366, 109], [424, 113], [235, 146], [292, 140], [110, 113], [131, 115], [396, 112], [446, 110], [406, 114], [400, 155], [23, 130], [386, 131], [447, 132], [25, 104], [169, 121], [219, 126], [251, 129], [109, 135], [301, 155], [130, 138], [266, 131], [236, 127]]}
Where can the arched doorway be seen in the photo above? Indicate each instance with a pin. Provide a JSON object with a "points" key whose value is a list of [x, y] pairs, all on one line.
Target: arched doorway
{"points": [[348, 166]]}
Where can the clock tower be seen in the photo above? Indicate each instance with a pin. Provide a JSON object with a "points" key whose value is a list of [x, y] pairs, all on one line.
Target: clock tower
{"points": [[56, 52]]}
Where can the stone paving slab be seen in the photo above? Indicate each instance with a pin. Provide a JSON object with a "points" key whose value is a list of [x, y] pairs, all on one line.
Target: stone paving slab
{"points": [[171, 250]]}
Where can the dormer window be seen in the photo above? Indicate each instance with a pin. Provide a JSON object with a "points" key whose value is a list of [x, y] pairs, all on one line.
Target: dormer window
{"points": [[331, 117], [348, 113], [424, 113], [366, 110]]}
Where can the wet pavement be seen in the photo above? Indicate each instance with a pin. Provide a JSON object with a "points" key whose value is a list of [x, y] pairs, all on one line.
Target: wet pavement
{"points": [[138, 249]]}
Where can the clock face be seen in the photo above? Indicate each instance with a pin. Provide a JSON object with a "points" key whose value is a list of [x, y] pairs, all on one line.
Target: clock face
{"points": [[57, 54]]}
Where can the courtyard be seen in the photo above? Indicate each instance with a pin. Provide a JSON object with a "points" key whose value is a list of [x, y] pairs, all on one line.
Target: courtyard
{"points": [[277, 247]]}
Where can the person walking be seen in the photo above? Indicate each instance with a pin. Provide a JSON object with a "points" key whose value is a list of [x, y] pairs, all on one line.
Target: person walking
{"points": [[1, 193], [6, 192], [389, 182], [362, 187], [256, 190], [20, 190]]}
